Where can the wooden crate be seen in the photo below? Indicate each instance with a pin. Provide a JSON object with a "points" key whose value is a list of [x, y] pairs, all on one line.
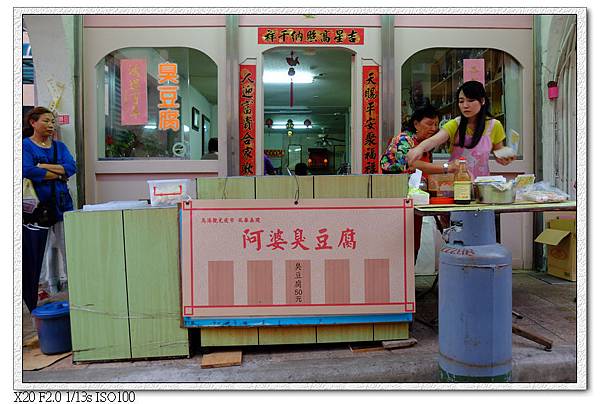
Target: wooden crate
{"points": [[152, 262], [228, 336], [124, 284], [389, 186], [226, 188], [390, 331], [344, 333], [124, 275], [342, 186], [284, 187], [97, 285], [287, 335]]}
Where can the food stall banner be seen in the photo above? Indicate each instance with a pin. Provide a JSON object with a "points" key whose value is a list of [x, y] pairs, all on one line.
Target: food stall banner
{"points": [[311, 35], [320, 257], [370, 120], [474, 69], [168, 113], [134, 92], [247, 119]]}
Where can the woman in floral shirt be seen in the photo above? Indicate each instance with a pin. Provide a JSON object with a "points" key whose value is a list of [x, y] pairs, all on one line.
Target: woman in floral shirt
{"points": [[423, 124]]}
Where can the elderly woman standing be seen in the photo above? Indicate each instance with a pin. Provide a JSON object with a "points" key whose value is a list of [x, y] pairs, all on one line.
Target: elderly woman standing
{"points": [[48, 164], [423, 124]]}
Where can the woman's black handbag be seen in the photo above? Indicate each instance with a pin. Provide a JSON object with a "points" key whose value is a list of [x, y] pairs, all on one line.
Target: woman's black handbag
{"points": [[44, 214]]}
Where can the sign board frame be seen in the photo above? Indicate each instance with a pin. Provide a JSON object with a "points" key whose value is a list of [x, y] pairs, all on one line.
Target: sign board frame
{"points": [[245, 259]]}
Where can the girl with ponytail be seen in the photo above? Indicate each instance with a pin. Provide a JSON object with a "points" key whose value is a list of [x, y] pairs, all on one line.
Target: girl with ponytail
{"points": [[472, 135]]}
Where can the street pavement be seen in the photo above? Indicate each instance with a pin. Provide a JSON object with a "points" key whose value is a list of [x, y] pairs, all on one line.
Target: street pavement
{"points": [[548, 308]]}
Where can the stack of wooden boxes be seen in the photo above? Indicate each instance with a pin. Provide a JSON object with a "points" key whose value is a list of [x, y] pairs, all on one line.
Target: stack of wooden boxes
{"points": [[124, 273]]}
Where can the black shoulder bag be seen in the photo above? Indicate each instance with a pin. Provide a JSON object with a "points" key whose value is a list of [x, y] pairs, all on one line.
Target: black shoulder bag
{"points": [[45, 213]]}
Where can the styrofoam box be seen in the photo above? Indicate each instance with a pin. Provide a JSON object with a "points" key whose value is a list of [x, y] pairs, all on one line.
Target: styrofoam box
{"points": [[168, 192]]}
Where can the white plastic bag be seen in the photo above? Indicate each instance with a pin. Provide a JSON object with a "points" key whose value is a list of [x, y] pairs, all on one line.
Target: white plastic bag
{"points": [[53, 275], [418, 196], [30, 198], [541, 192]]}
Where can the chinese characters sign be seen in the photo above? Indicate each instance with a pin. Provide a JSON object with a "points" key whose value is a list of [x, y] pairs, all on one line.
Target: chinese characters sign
{"points": [[168, 108], [473, 69], [134, 92], [274, 153], [269, 258], [247, 120], [370, 120], [311, 35]]}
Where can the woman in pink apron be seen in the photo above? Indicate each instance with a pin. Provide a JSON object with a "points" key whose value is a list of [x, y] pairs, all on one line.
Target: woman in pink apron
{"points": [[472, 135], [477, 157]]}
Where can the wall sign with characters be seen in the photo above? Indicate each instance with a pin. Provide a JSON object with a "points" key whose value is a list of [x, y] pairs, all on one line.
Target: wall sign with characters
{"points": [[321, 257]]}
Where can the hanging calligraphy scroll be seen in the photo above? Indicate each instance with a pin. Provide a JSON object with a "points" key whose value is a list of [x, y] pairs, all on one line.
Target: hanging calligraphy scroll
{"points": [[134, 92], [312, 36], [254, 261], [247, 119], [370, 120]]}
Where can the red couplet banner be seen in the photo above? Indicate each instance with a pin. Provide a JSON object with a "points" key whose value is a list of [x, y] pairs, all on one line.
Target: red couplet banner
{"points": [[370, 120], [247, 120]]}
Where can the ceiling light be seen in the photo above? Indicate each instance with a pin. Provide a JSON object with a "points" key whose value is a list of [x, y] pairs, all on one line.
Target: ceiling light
{"points": [[281, 77], [285, 127]]}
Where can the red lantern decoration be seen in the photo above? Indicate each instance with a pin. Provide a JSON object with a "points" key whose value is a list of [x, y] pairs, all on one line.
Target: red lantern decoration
{"points": [[291, 61]]}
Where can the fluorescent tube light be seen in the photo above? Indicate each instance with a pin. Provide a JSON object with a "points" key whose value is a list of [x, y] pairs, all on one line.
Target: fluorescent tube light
{"points": [[281, 77]]}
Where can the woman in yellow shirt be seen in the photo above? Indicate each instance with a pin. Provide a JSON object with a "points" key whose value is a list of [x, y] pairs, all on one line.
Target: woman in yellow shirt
{"points": [[473, 135]]}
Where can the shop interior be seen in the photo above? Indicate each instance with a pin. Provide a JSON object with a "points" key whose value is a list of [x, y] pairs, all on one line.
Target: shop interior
{"points": [[307, 109], [197, 102], [433, 75]]}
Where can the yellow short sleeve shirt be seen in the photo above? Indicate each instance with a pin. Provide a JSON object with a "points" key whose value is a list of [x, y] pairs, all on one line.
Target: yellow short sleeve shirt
{"points": [[496, 136]]}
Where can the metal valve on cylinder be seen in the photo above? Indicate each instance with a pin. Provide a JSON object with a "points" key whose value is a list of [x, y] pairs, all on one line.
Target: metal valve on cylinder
{"points": [[475, 302]]}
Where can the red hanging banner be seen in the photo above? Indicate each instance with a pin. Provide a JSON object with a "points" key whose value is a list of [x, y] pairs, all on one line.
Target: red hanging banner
{"points": [[134, 92], [370, 120], [247, 119], [311, 35]]}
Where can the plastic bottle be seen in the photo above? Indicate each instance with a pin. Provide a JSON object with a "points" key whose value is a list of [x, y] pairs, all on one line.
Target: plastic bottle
{"points": [[462, 183]]}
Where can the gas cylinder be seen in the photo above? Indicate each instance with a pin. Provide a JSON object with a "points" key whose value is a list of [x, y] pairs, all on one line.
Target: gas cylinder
{"points": [[475, 302]]}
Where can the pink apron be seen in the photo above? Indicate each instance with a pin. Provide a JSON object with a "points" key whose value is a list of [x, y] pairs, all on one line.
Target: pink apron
{"points": [[477, 157]]}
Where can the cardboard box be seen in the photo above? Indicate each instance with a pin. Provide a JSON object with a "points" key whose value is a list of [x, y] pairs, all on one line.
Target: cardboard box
{"points": [[561, 239]]}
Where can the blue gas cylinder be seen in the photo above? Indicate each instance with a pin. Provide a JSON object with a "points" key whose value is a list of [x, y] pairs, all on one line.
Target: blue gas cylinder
{"points": [[475, 302]]}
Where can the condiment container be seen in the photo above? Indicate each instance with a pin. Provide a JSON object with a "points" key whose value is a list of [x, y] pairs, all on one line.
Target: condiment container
{"points": [[488, 193]]}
